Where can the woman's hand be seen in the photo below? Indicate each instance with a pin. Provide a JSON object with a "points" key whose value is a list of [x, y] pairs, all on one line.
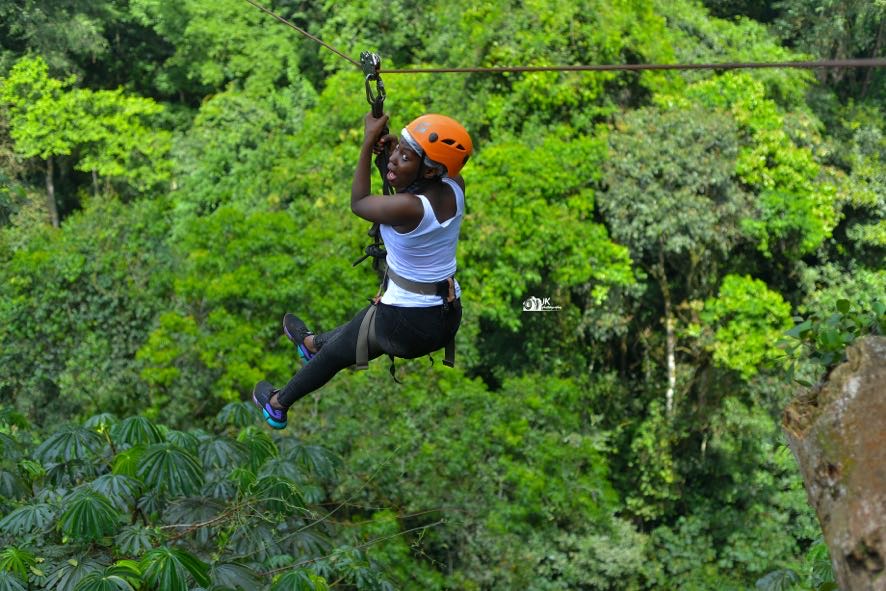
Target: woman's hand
{"points": [[374, 128], [387, 141]]}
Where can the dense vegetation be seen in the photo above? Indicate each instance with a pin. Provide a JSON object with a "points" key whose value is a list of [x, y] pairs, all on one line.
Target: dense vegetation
{"points": [[174, 177]]}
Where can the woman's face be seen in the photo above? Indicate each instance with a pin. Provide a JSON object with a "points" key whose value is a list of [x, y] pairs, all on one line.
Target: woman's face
{"points": [[403, 166]]}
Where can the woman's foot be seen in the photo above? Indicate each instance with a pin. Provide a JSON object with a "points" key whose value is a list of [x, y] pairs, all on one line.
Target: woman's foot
{"points": [[262, 395], [297, 332]]}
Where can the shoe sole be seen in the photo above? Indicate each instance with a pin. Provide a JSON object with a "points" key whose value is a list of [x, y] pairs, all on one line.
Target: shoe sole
{"points": [[273, 423]]}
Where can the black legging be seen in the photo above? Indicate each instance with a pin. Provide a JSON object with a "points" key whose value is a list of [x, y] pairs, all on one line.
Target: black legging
{"points": [[402, 332]]}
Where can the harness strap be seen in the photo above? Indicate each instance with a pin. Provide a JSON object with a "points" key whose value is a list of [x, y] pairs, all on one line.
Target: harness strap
{"points": [[366, 338], [445, 289]]}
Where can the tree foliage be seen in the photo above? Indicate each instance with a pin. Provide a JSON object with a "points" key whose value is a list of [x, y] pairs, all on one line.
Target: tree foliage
{"points": [[198, 159]]}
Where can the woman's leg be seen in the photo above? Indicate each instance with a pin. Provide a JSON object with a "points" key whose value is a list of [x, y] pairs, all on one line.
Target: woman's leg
{"points": [[403, 332], [336, 350]]}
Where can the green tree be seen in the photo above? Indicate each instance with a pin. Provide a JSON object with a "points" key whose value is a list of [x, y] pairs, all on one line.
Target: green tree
{"points": [[103, 131], [673, 199], [127, 504]]}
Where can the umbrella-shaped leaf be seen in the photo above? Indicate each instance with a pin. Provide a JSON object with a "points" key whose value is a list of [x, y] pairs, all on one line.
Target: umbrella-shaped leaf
{"points": [[17, 561], [221, 489], [27, 519], [190, 510], [168, 569], [69, 474], [316, 459], [152, 503], [10, 582], [100, 422], [182, 439], [258, 541], [221, 452], [70, 572], [300, 580], [134, 540], [779, 580], [122, 576], [259, 444], [136, 430], [70, 443], [238, 414], [283, 467], [11, 486], [167, 466], [231, 575], [126, 462], [119, 489], [89, 516]]}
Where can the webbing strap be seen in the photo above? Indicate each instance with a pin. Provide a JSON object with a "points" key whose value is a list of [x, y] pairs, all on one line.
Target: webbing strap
{"points": [[366, 337], [410, 285]]}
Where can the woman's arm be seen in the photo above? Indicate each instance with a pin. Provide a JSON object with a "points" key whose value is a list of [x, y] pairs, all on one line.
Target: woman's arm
{"points": [[395, 210]]}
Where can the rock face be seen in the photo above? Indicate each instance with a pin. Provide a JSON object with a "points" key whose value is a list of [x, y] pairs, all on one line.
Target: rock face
{"points": [[838, 434]]}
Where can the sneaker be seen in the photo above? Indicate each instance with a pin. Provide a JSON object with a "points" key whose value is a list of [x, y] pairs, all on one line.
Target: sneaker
{"points": [[296, 331], [261, 395]]}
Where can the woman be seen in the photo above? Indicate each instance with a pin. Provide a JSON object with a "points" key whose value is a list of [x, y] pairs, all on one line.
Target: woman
{"points": [[420, 311]]}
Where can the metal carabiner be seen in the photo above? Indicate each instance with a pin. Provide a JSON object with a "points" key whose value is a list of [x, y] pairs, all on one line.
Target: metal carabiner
{"points": [[371, 65]]}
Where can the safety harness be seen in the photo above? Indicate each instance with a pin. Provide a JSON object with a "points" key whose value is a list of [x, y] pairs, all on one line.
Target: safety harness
{"points": [[366, 338]]}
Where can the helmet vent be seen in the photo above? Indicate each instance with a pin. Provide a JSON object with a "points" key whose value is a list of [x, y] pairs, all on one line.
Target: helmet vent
{"points": [[433, 137]]}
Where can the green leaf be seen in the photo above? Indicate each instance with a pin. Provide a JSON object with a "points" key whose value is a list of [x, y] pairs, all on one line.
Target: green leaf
{"points": [[10, 582], [182, 440], [799, 329], [843, 306], [17, 561], [780, 580], [233, 575], [126, 462], [70, 572], [100, 421], [70, 443], [88, 516], [134, 540], [238, 414], [168, 569], [135, 431], [28, 519], [120, 489], [300, 580], [165, 466], [123, 576], [221, 453], [281, 494], [259, 444], [316, 459]]}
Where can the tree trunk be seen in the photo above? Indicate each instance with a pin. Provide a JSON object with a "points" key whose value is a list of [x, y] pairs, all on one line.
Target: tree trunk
{"points": [[670, 338], [50, 193], [837, 434]]}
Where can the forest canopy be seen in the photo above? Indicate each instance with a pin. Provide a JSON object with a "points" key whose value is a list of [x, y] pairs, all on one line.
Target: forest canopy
{"points": [[174, 178]]}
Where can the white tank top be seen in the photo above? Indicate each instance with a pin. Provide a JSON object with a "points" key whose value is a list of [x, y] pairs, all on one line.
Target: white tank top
{"points": [[426, 254]]}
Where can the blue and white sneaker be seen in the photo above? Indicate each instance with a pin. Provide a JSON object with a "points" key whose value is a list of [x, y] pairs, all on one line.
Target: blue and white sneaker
{"points": [[261, 395], [296, 331]]}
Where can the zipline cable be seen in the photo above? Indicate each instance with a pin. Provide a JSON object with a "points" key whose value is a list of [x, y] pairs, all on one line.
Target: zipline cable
{"points": [[305, 33], [845, 63], [849, 63]]}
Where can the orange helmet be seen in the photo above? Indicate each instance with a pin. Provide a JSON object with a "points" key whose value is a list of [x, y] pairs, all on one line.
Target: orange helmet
{"points": [[440, 139]]}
